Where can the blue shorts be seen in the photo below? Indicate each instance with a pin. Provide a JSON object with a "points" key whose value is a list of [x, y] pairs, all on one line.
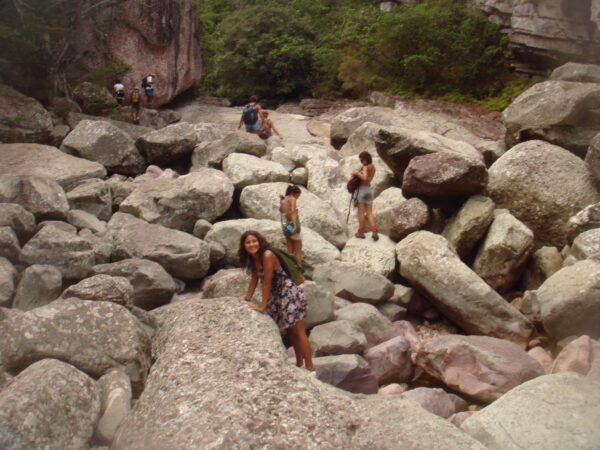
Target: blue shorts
{"points": [[253, 127], [365, 195]]}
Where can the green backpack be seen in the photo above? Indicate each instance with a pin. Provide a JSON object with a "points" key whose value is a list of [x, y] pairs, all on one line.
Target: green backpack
{"points": [[290, 265]]}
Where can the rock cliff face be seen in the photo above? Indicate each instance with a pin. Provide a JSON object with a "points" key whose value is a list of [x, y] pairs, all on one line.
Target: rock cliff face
{"points": [[159, 37], [546, 33]]}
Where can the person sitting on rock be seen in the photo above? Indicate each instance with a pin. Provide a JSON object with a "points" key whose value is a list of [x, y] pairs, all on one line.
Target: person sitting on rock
{"points": [[282, 299], [250, 116], [267, 127]]}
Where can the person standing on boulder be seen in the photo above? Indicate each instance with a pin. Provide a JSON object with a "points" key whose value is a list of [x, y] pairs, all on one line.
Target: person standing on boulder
{"points": [[148, 86], [119, 91], [290, 222], [135, 99], [282, 299], [250, 116], [364, 198]]}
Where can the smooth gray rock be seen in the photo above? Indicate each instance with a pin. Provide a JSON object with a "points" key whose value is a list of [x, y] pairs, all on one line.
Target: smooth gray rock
{"points": [[437, 401], [337, 338], [82, 219], [551, 412], [181, 254], [46, 161], [19, 219], [201, 227], [569, 304], [9, 245], [542, 185], [208, 411], [468, 226], [93, 196], [134, 131], [8, 274], [572, 71], [244, 170], [375, 325], [396, 216], [430, 264], [592, 157], [391, 360], [178, 203], [543, 264], [41, 196], [587, 245], [168, 144], [103, 288], [57, 244], [103, 142], [115, 399], [391, 310], [378, 257], [22, 118], [320, 304], [110, 336], [49, 405], [353, 282], [229, 283], [38, 286], [348, 372], [504, 252]]}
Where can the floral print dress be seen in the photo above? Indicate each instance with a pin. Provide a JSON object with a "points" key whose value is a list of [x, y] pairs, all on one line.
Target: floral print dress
{"points": [[287, 303]]}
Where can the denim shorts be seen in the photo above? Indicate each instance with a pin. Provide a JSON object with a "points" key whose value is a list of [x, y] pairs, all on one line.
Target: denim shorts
{"points": [[253, 127], [365, 195]]}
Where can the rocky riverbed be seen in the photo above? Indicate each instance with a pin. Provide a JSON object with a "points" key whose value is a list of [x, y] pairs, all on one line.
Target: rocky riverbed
{"points": [[471, 323]]}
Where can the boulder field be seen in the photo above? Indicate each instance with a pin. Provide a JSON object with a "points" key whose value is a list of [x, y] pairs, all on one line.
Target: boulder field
{"points": [[471, 323]]}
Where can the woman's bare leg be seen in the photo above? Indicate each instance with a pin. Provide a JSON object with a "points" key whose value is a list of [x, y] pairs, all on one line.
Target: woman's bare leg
{"points": [[301, 345], [370, 216], [361, 218], [290, 245], [298, 250]]}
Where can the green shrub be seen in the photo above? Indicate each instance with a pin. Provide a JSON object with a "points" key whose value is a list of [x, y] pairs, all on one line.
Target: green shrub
{"points": [[107, 74]]}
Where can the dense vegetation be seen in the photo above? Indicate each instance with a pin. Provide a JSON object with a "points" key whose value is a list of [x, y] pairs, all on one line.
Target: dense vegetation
{"points": [[290, 48]]}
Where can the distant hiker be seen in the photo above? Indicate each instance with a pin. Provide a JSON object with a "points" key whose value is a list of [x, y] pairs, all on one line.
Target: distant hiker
{"points": [[365, 196], [267, 127], [119, 91], [250, 116], [135, 99], [282, 299], [290, 222], [148, 86]]}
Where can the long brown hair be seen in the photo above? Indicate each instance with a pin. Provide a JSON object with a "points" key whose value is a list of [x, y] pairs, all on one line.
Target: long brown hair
{"points": [[245, 258]]}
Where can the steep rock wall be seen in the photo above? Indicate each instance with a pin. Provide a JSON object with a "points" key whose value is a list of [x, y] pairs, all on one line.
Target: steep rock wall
{"points": [[161, 37]]}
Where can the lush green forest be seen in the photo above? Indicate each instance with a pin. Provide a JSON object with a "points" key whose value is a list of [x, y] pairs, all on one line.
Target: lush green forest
{"points": [[291, 48]]}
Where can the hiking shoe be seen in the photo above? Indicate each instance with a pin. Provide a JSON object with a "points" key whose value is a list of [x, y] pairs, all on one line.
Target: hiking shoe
{"points": [[360, 235], [375, 236]]}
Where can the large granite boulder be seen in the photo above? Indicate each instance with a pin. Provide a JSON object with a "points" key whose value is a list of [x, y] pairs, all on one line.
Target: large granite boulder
{"points": [[373, 324], [103, 142], [587, 245], [8, 275], [244, 170], [430, 264], [49, 405], [581, 355], [41, 196], [152, 285], [569, 304], [326, 179], [572, 71], [163, 38], [559, 112], [437, 401], [592, 157], [398, 146], [261, 201], [132, 130], [353, 282], [320, 304], [468, 226], [396, 216], [178, 203], [92, 336], [443, 175], [391, 361], [45, 161], [39, 285], [551, 411], [181, 254], [193, 393], [168, 144], [22, 118], [542, 185], [379, 257], [19, 219], [481, 367], [337, 338], [102, 288], [348, 372], [9, 245], [58, 244], [315, 249], [93, 98], [93, 196], [503, 254], [82, 219], [350, 120]]}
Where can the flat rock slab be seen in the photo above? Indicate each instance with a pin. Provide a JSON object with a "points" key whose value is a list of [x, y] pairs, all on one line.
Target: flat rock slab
{"points": [[47, 161], [222, 380]]}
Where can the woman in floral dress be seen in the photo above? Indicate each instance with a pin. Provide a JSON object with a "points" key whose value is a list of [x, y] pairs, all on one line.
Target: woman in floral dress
{"points": [[282, 299]]}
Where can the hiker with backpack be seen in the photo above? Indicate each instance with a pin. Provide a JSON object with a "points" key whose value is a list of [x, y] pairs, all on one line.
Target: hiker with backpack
{"points": [[148, 86], [135, 99], [290, 222], [250, 116], [282, 298], [267, 127], [364, 198], [119, 91]]}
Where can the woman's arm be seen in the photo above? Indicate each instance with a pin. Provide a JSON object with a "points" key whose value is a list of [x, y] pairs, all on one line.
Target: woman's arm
{"points": [[251, 287], [362, 174], [276, 130], [269, 262], [294, 209]]}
